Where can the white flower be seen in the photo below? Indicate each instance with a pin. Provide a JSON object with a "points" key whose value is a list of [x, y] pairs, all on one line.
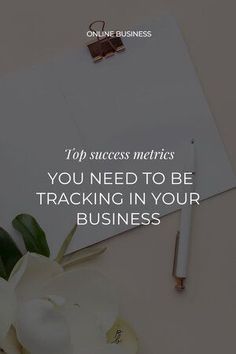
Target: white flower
{"points": [[56, 312], [7, 307]]}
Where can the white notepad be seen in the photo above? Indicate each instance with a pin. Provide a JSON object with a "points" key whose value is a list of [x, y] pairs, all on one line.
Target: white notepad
{"points": [[146, 98]]}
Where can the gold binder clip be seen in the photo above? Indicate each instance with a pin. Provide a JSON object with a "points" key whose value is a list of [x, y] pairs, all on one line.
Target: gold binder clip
{"points": [[104, 46]]}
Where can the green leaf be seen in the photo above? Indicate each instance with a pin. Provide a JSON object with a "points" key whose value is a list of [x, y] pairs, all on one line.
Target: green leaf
{"points": [[9, 254], [65, 244], [3, 273], [33, 236]]}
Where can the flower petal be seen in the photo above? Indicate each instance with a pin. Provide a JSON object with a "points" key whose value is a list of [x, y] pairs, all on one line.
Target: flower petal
{"points": [[31, 273], [91, 291], [87, 337], [10, 343], [91, 310], [42, 328], [7, 307]]}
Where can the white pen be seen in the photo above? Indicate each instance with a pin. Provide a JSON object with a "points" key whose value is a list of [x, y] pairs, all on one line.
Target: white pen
{"points": [[183, 236]]}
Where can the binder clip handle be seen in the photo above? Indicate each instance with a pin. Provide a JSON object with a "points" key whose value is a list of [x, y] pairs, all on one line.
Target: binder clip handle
{"points": [[94, 30]]}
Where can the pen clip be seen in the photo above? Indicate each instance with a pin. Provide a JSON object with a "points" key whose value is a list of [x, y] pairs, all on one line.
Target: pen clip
{"points": [[175, 254], [179, 285]]}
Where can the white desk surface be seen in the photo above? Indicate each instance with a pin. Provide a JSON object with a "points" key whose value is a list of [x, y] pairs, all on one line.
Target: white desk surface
{"points": [[203, 319]]}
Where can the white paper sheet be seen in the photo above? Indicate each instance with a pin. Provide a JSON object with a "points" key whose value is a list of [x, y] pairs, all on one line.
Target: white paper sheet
{"points": [[146, 98]]}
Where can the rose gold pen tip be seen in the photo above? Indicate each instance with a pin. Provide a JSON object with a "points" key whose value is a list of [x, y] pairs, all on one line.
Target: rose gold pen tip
{"points": [[180, 286]]}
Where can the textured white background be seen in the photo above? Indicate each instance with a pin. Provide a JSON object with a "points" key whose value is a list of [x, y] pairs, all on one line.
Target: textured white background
{"points": [[203, 319]]}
